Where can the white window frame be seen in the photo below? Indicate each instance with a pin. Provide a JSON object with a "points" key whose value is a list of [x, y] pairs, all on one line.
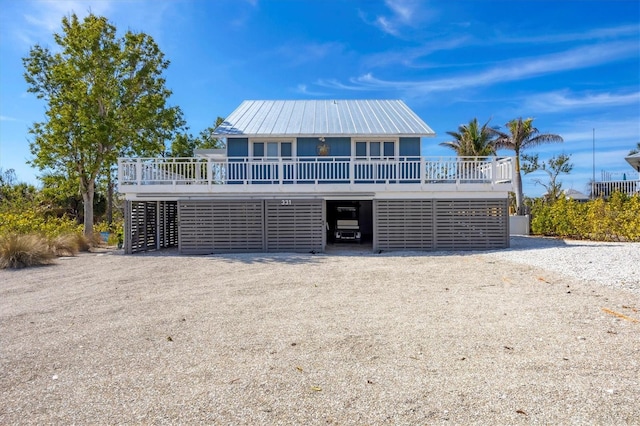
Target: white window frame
{"points": [[396, 147], [279, 141]]}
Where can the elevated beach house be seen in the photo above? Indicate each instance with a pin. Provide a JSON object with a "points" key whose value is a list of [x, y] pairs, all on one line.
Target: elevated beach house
{"points": [[300, 175]]}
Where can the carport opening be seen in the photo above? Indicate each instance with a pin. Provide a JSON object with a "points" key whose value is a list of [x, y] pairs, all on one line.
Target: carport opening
{"points": [[349, 222]]}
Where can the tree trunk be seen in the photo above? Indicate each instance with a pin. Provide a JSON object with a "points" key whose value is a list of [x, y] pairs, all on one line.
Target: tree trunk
{"points": [[87, 197], [109, 198], [517, 181]]}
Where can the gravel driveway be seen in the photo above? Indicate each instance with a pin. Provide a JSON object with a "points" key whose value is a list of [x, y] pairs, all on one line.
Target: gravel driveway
{"points": [[547, 332]]}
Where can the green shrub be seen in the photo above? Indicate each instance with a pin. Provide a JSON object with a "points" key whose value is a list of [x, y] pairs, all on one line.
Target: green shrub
{"points": [[19, 251], [115, 230], [616, 219], [35, 221]]}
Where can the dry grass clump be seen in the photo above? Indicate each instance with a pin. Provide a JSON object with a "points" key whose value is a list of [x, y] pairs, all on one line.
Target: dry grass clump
{"points": [[82, 243], [65, 245], [19, 251]]}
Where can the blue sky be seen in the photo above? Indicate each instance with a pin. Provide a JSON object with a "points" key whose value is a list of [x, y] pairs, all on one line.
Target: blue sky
{"points": [[572, 65]]}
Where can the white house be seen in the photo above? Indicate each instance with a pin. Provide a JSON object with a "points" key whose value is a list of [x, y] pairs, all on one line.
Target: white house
{"points": [[298, 175]]}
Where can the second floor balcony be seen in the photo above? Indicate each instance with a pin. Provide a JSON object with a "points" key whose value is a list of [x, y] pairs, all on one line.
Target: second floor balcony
{"points": [[313, 174]]}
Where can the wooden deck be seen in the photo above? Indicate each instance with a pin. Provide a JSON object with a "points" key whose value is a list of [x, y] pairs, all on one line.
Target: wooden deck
{"points": [[174, 176]]}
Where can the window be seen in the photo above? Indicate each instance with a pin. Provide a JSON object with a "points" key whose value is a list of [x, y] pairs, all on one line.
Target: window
{"points": [[375, 149], [268, 149]]}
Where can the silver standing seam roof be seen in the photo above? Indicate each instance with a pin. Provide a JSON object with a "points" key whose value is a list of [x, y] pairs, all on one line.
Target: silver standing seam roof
{"points": [[634, 161], [323, 118]]}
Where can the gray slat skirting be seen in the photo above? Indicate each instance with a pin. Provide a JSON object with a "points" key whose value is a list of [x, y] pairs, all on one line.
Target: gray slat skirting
{"points": [[220, 226], [441, 224], [150, 225], [403, 225], [471, 224], [140, 226], [294, 225]]}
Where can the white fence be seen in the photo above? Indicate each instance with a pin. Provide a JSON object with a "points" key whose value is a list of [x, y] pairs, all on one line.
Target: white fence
{"points": [[606, 189], [314, 170]]}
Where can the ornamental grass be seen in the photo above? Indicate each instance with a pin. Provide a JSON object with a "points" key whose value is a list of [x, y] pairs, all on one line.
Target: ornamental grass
{"points": [[65, 245], [19, 251]]}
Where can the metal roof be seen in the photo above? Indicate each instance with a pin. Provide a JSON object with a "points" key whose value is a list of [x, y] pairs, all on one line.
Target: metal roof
{"points": [[634, 160], [323, 118]]}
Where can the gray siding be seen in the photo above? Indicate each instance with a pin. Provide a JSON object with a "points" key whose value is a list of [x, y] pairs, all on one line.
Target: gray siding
{"points": [[297, 227], [441, 224]]}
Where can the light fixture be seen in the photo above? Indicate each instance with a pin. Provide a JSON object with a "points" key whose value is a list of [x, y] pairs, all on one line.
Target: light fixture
{"points": [[322, 148]]}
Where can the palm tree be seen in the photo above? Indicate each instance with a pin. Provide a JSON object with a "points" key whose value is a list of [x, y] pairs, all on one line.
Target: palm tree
{"points": [[522, 135], [635, 150], [471, 140]]}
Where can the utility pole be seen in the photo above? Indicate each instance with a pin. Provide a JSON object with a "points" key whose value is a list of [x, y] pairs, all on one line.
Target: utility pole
{"points": [[593, 177]]}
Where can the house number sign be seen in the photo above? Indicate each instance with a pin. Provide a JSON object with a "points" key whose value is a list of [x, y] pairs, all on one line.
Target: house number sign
{"points": [[285, 202]]}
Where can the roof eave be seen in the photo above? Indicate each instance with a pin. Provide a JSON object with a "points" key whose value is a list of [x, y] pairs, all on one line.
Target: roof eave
{"points": [[634, 161], [327, 135]]}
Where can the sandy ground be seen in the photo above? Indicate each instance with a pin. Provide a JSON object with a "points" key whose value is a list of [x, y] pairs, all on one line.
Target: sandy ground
{"points": [[412, 338]]}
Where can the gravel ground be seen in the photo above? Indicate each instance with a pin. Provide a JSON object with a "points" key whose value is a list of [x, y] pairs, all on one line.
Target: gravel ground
{"points": [[546, 332]]}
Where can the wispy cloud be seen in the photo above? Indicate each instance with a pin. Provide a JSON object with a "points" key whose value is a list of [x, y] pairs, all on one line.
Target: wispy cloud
{"points": [[42, 18], [302, 89], [402, 13], [513, 70], [609, 33], [302, 53], [411, 57], [5, 118], [564, 100]]}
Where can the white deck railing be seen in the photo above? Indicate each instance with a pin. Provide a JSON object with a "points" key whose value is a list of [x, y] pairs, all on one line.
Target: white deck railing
{"points": [[607, 188], [314, 170]]}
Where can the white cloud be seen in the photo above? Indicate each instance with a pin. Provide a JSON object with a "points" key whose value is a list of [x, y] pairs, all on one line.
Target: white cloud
{"points": [[514, 70], [5, 118], [609, 33], [403, 13], [301, 53], [44, 17], [564, 100], [302, 89]]}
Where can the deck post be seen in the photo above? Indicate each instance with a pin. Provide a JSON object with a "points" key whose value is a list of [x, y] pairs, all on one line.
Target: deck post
{"points": [[158, 219], [494, 171], [139, 170]]}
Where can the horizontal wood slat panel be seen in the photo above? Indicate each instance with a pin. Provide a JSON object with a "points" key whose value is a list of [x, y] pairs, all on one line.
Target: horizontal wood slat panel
{"points": [[441, 224], [471, 224], [403, 225], [297, 226], [220, 226]]}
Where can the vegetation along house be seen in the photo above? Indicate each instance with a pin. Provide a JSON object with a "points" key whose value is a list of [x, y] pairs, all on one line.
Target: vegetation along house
{"points": [[299, 175]]}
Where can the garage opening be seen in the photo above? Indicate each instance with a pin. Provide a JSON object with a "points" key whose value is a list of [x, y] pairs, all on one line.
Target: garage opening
{"points": [[349, 222]]}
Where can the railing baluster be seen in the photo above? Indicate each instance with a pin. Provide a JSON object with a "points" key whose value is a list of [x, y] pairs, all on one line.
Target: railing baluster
{"points": [[144, 171]]}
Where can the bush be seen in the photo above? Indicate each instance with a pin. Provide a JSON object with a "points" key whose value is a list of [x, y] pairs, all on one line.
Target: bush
{"points": [[115, 230], [19, 251], [35, 221], [617, 219]]}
